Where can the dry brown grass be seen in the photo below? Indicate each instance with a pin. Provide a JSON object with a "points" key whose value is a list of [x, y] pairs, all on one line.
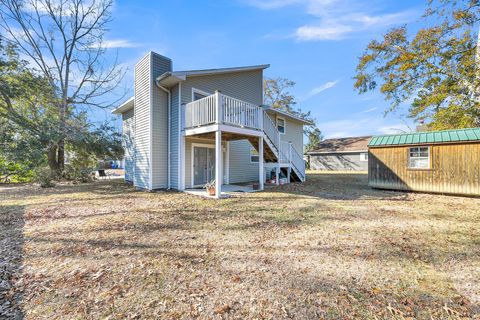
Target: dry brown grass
{"points": [[330, 248]]}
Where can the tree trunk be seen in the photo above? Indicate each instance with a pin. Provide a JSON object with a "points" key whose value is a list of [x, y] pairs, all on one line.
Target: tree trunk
{"points": [[52, 158], [61, 155]]}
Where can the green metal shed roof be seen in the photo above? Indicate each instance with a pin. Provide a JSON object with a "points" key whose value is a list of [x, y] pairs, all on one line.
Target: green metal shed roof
{"points": [[445, 136]]}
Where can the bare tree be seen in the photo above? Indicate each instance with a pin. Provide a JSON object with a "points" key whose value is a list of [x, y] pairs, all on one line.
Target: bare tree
{"points": [[64, 40]]}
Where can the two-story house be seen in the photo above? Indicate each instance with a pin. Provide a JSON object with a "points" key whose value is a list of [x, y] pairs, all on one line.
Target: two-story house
{"points": [[185, 128]]}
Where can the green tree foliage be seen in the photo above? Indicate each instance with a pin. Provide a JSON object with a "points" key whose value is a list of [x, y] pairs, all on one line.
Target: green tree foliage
{"points": [[276, 94], [64, 40], [435, 70], [314, 138], [30, 125]]}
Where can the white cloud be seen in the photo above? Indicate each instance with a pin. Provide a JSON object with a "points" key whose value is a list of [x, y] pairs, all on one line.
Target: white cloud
{"points": [[368, 110], [361, 126], [311, 33], [393, 129], [118, 43], [272, 4], [323, 87], [336, 19], [319, 89]]}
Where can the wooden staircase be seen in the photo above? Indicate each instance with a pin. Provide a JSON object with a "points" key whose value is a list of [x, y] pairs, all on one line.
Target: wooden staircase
{"points": [[271, 150]]}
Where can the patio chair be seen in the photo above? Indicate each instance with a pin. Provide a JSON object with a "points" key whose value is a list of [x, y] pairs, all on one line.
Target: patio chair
{"points": [[103, 174]]}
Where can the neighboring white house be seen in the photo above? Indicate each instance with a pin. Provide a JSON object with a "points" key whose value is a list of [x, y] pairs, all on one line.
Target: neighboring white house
{"points": [[184, 128]]}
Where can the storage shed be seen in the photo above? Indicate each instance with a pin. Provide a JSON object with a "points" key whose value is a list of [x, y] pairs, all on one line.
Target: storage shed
{"points": [[440, 161]]}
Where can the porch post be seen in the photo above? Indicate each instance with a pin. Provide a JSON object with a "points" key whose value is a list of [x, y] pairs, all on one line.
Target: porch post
{"points": [[218, 107], [277, 174], [227, 164], [218, 164], [289, 160], [261, 175]]}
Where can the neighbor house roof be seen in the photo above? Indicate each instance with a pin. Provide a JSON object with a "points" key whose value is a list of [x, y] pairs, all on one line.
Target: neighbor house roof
{"points": [[444, 136], [124, 107], [342, 145], [173, 77]]}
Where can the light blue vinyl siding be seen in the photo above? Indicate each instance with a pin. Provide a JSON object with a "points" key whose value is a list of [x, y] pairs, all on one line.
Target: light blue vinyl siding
{"points": [[142, 89], [246, 86], [151, 123], [159, 128], [241, 169]]}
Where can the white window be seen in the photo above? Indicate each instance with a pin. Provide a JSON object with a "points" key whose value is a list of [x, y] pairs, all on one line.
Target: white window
{"points": [[364, 156], [254, 157], [281, 125], [419, 158], [198, 94]]}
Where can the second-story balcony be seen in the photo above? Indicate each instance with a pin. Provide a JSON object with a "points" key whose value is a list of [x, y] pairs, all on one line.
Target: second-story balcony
{"points": [[221, 109], [238, 119]]}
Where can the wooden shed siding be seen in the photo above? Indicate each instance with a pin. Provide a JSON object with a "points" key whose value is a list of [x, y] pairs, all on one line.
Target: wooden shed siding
{"points": [[159, 128], [142, 88], [174, 138], [128, 143], [455, 168]]}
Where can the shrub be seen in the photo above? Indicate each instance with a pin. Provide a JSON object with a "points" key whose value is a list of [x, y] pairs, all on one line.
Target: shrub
{"points": [[14, 172], [45, 177], [78, 173]]}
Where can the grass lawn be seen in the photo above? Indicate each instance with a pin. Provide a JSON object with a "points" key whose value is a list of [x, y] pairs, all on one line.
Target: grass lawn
{"points": [[329, 248]]}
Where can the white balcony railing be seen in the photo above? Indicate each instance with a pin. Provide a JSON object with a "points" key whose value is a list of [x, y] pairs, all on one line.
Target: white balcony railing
{"points": [[271, 130], [284, 152], [240, 113], [201, 112], [222, 109], [297, 161]]}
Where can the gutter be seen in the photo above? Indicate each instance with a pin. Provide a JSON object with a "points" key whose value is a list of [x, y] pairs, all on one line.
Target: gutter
{"points": [[169, 127]]}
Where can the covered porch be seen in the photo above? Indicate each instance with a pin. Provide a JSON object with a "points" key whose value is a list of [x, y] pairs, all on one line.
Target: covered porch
{"points": [[215, 154], [218, 121]]}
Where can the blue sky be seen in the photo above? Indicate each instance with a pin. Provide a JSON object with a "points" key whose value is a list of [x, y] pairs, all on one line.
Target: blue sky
{"points": [[315, 43]]}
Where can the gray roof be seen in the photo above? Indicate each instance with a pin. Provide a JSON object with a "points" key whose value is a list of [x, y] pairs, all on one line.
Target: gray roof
{"points": [[287, 114], [173, 77], [342, 145]]}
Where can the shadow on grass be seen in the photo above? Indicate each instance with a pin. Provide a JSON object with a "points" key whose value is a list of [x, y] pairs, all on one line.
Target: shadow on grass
{"points": [[339, 186], [11, 260]]}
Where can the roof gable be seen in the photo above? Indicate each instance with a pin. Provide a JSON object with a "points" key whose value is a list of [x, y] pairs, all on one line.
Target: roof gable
{"points": [[339, 145]]}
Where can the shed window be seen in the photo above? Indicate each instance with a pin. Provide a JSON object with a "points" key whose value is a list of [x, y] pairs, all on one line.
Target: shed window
{"points": [[254, 157], [364, 156], [419, 158], [281, 125]]}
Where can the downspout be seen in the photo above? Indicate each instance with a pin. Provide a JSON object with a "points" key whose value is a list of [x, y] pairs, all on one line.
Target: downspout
{"points": [[169, 127]]}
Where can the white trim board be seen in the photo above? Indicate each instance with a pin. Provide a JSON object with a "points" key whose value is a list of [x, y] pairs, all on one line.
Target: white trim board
{"points": [[203, 93]]}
